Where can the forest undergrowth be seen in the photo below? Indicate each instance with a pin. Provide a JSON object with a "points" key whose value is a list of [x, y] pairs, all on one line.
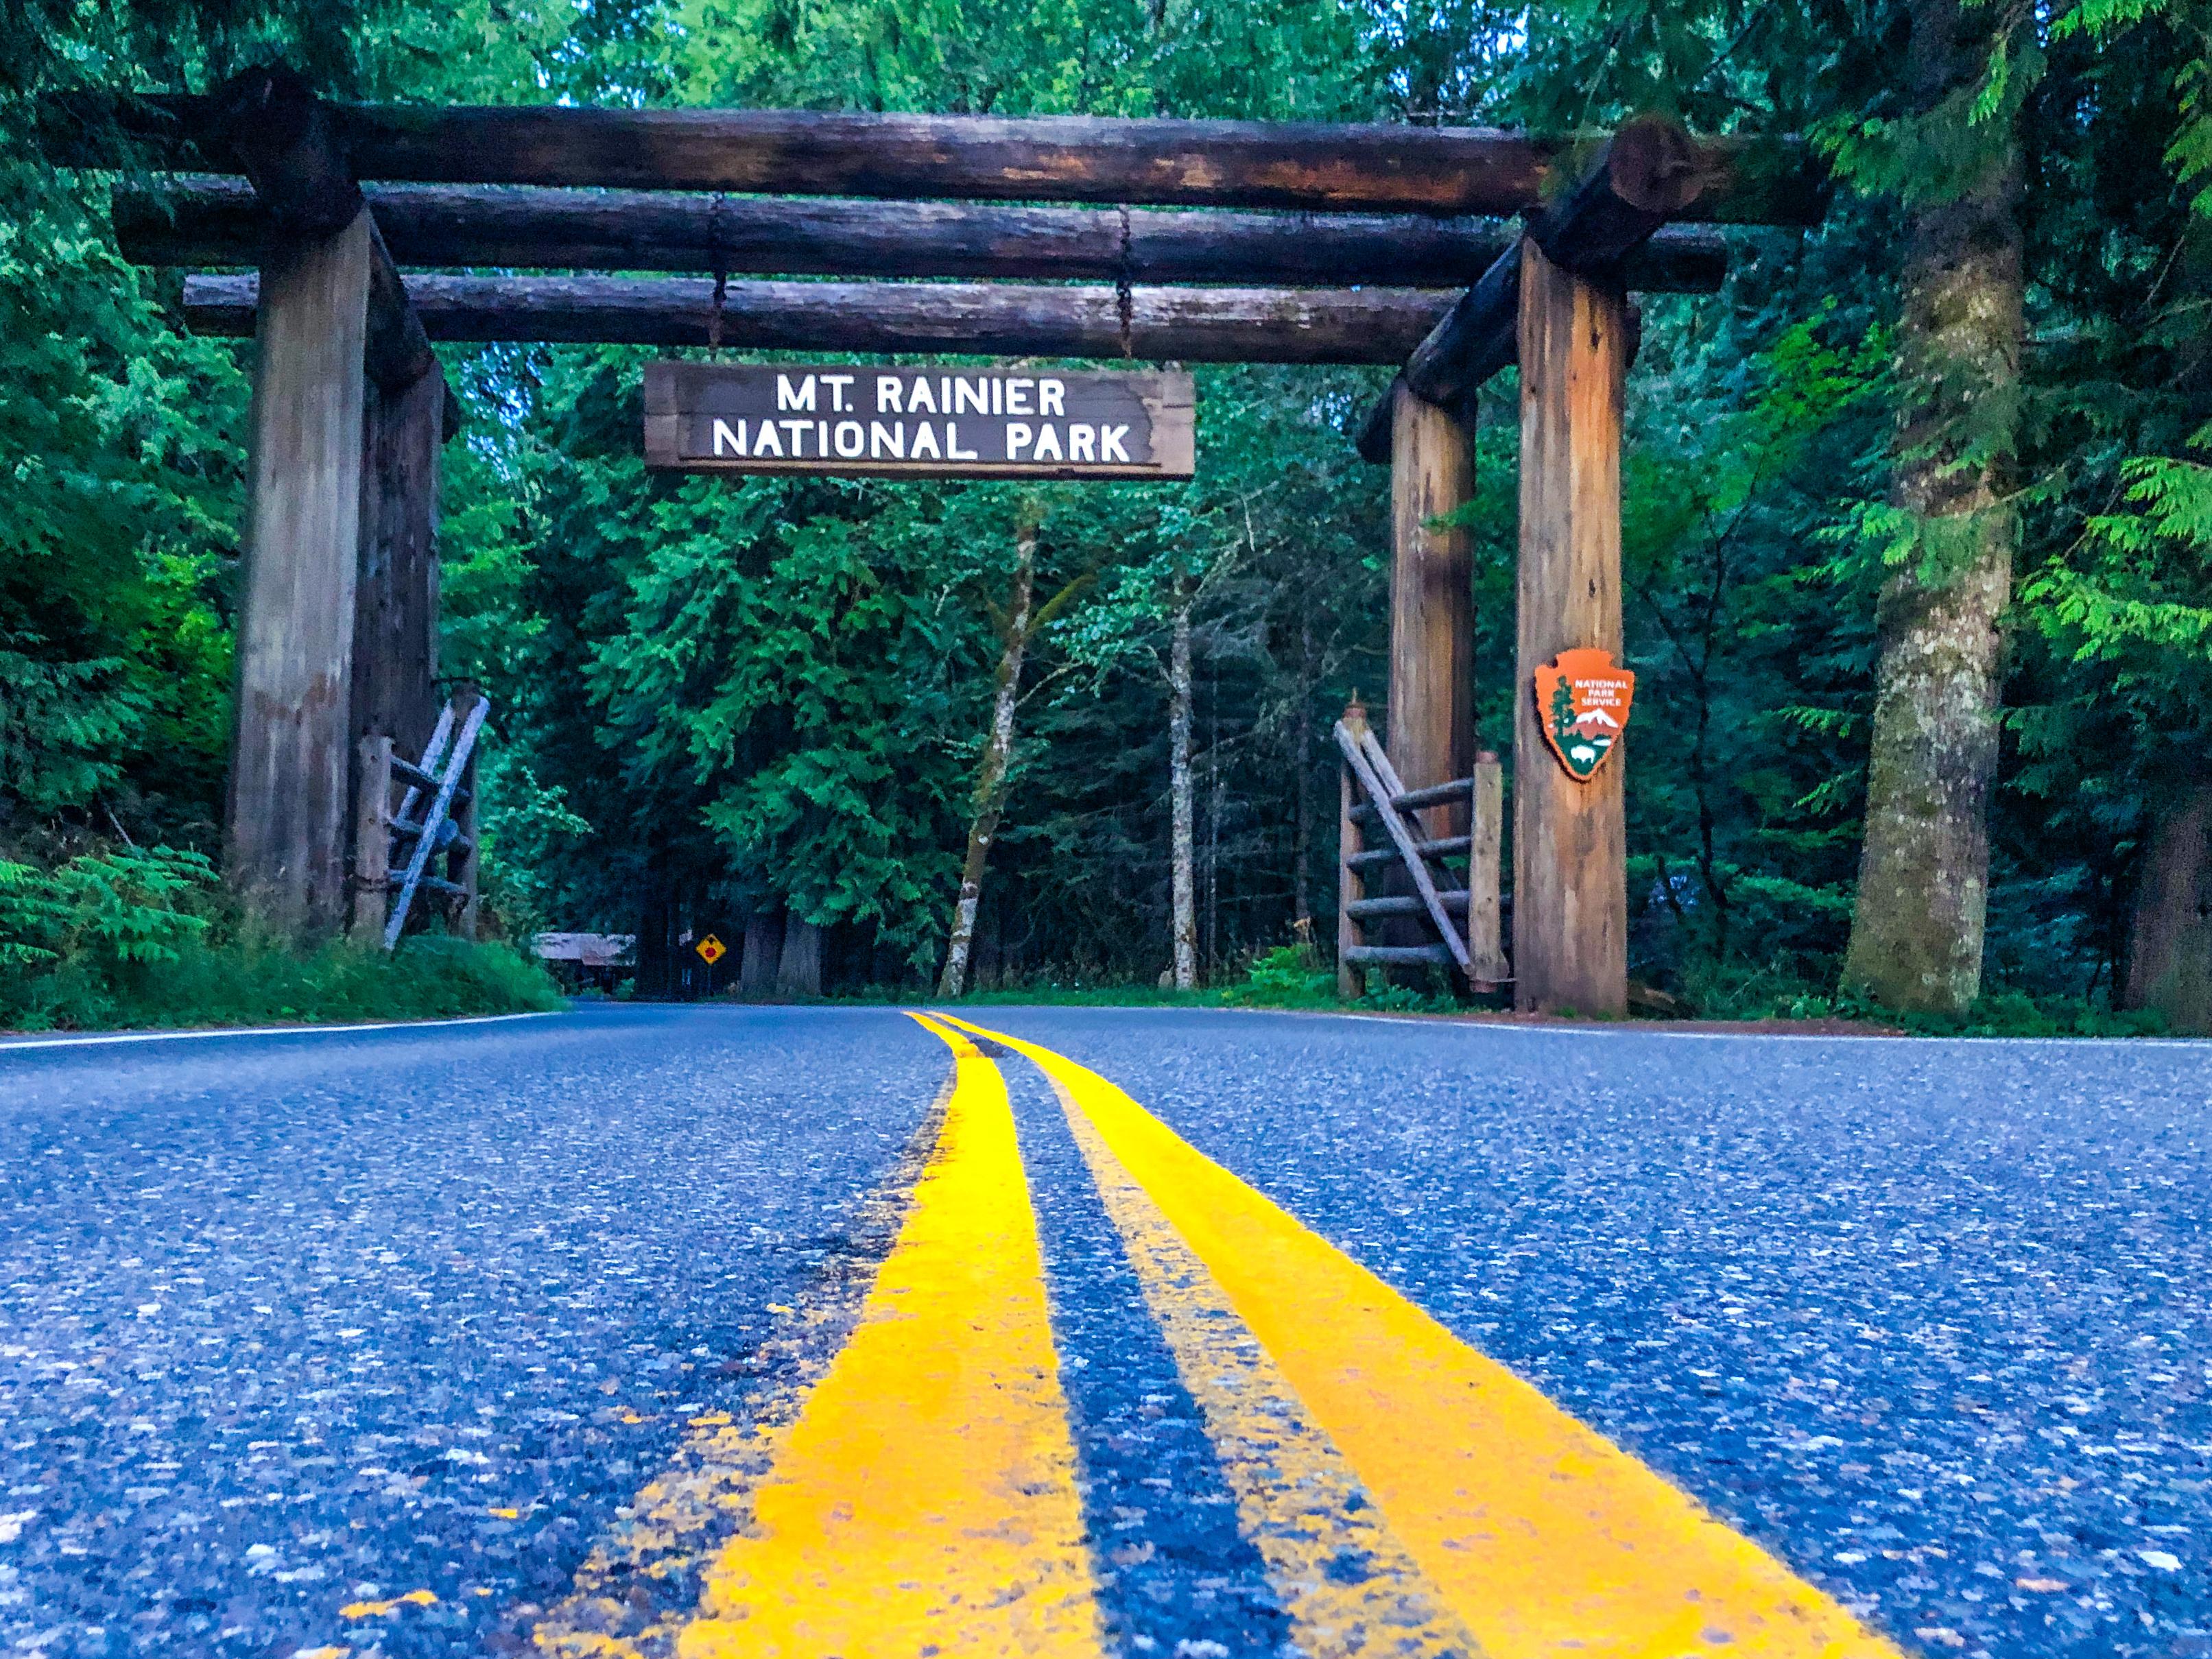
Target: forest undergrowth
{"points": [[1292, 978], [126, 937]]}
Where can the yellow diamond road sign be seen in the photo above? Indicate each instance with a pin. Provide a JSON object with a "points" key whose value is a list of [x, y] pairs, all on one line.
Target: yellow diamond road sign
{"points": [[711, 949]]}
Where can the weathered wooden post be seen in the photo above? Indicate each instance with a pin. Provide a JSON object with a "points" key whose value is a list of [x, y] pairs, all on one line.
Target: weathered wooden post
{"points": [[1351, 979], [285, 838], [1485, 945], [464, 864], [1431, 728], [395, 649], [1570, 838], [372, 838], [332, 331]]}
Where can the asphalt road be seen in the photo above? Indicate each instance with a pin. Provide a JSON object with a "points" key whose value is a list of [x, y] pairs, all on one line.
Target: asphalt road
{"points": [[454, 1339]]}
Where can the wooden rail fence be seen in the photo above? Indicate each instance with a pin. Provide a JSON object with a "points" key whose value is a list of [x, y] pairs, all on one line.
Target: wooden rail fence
{"points": [[1466, 918], [397, 849]]}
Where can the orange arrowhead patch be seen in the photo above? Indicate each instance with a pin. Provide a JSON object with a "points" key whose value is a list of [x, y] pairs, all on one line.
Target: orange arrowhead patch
{"points": [[1582, 707]]}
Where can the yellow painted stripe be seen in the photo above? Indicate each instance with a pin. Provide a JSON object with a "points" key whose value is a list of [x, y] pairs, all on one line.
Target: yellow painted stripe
{"points": [[1347, 1581], [925, 1502], [1544, 1536], [671, 1529]]}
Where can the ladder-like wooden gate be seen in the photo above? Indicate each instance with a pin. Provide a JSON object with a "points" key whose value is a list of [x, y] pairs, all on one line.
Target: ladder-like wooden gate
{"points": [[397, 849], [1462, 907]]}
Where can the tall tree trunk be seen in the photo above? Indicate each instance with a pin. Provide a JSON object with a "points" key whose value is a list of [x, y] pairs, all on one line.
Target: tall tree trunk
{"points": [[1213, 813], [1302, 803], [1183, 882], [656, 930], [1922, 899], [798, 974], [764, 954], [990, 794], [2169, 951]]}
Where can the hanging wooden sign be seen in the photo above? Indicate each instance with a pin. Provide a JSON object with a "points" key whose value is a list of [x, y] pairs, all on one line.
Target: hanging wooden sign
{"points": [[936, 423], [1582, 708]]}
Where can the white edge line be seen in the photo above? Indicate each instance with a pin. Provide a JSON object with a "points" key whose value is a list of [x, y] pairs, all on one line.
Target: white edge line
{"points": [[1658, 1029], [107, 1038], [1609, 1029]]}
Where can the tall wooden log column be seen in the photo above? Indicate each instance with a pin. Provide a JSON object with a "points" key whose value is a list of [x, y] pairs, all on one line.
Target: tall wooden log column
{"points": [[1570, 839], [1431, 725], [286, 834], [395, 662]]}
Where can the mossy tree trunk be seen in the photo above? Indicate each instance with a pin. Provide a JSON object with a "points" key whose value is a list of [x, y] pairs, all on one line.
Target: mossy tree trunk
{"points": [[1917, 928], [1182, 873], [990, 793], [799, 972], [2169, 952], [764, 954]]}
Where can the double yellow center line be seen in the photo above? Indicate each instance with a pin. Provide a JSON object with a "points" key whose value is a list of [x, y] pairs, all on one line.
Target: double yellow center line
{"points": [[924, 1501]]}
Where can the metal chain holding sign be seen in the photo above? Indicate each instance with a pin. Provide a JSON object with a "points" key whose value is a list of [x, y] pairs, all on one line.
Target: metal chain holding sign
{"points": [[1125, 301]]}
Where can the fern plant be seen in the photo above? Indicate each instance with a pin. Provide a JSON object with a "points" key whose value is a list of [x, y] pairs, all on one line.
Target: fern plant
{"points": [[102, 909]]}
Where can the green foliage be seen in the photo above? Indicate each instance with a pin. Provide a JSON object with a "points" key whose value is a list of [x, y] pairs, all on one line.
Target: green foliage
{"points": [[1766, 996], [227, 980], [105, 911], [1286, 976], [122, 937], [115, 527], [717, 698]]}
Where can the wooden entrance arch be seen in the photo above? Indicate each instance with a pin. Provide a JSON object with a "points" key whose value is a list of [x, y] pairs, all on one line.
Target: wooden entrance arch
{"points": [[1291, 243]]}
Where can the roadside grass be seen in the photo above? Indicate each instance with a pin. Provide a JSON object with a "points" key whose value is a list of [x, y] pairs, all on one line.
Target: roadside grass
{"points": [[1288, 976], [1749, 991], [1293, 977], [2000, 1013], [243, 981], [132, 937]]}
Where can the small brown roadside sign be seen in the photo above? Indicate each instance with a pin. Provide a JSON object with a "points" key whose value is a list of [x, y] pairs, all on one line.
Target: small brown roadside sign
{"points": [[930, 422], [711, 949]]}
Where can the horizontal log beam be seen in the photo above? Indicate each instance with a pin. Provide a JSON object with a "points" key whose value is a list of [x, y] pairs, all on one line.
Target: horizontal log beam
{"points": [[397, 350], [1311, 167], [1648, 173], [286, 141], [299, 188], [1398, 956], [1177, 325], [211, 220]]}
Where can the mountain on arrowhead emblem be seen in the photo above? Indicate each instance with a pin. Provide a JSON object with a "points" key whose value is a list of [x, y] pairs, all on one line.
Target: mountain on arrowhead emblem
{"points": [[1582, 707]]}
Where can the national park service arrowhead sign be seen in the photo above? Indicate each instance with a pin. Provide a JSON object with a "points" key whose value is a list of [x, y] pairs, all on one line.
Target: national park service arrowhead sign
{"points": [[1581, 704]]}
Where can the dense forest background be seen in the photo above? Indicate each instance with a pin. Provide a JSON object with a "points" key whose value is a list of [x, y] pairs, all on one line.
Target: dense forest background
{"points": [[723, 704]]}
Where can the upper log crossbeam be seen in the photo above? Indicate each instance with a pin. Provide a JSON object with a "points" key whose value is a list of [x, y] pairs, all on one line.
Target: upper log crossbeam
{"points": [[212, 221], [273, 127], [1308, 167], [1014, 320], [1649, 173]]}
